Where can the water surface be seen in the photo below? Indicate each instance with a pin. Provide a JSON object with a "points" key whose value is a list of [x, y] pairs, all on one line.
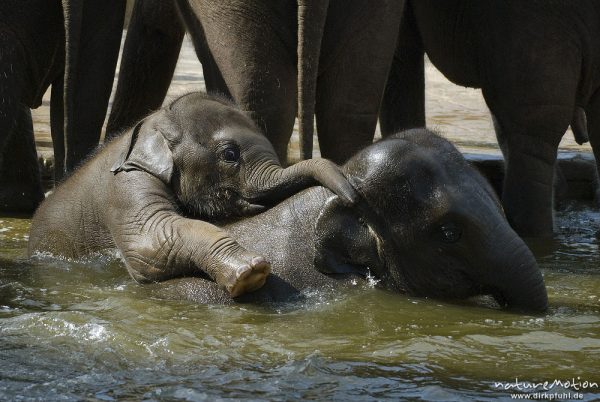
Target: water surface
{"points": [[85, 330]]}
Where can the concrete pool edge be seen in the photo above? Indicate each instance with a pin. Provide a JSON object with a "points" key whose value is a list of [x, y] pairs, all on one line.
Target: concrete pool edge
{"points": [[577, 178]]}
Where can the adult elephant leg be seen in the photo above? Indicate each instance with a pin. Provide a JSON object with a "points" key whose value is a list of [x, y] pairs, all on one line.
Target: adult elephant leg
{"points": [[356, 54], [530, 145], [150, 53], [57, 127], [93, 31], [253, 44], [532, 116], [12, 86], [593, 120], [213, 79], [560, 182], [20, 184], [403, 104], [20, 187]]}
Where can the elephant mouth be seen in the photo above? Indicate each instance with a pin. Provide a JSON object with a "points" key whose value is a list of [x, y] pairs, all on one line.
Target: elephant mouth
{"points": [[219, 204]]}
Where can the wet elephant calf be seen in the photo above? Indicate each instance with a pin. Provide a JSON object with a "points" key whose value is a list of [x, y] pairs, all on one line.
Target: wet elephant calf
{"points": [[427, 224], [199, 157]]}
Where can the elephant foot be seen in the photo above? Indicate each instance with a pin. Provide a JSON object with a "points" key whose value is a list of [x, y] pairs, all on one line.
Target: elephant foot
{"points": [[248, 277]]}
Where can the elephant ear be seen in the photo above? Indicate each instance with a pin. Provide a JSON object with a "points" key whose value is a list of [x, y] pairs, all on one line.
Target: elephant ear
{"points": [[344, 242], [148, 151]]}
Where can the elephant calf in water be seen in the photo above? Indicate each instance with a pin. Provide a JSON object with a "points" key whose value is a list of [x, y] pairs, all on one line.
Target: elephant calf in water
{"points": [[200, 157], [426, 224]]}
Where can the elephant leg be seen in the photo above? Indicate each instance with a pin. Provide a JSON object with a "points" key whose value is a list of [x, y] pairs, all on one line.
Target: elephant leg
{"points": [[355, 61], [593, 120], [149, 58], [403, 105], [94, 32], [253, 44], [530, 145], [213, 79], [12, 85], [500, 134], [20, 184], [57, 128], [560, 181]]}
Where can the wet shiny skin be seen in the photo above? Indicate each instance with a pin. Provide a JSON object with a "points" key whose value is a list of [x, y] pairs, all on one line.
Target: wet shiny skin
{"points": [[86, 329]]}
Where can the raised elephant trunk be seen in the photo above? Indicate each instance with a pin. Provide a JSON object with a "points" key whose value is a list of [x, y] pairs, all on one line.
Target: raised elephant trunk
{"points": [[311, 24], [517, 281]]}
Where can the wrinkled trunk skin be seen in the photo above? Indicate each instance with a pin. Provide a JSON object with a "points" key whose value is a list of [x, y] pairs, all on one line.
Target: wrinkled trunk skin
{"points": [[514, 277], [269, 183], [311, 24]]}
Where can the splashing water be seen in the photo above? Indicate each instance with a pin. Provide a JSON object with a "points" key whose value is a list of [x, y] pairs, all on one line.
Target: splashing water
{"points": [[372, 281]]}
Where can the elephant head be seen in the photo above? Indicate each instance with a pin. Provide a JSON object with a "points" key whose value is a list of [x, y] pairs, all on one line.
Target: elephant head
{"points": [[217, 163], [428, 224]]}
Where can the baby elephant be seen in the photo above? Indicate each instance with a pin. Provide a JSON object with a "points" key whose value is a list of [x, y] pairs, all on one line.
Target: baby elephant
{"points": [[151, 191]]}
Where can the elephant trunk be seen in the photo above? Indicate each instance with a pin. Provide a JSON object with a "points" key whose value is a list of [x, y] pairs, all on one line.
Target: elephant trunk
{"points": [[515, 279], [311, 24], [271, 183]]}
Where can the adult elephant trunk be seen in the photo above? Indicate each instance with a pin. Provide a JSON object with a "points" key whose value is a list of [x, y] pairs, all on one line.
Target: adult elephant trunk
{"points": [[311, 24], [515, 278]]}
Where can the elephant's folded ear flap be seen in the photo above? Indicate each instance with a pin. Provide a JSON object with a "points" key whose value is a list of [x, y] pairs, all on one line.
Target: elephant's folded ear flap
{"points": [[343, 242], [148, 151]]}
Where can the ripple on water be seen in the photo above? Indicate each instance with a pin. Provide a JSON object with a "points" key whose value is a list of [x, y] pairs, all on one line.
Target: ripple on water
{"points": [[83, 329], [78, 327]]}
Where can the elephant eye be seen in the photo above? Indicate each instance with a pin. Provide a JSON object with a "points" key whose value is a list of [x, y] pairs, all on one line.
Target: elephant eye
{"points": [[231, 154], [451, 232]]}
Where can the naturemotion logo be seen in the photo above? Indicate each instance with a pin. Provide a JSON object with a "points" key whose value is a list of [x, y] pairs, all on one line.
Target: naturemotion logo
{"points": [[557, 389]]}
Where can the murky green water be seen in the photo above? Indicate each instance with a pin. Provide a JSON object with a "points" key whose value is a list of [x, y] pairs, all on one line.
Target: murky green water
{"points": [[78, 330]]}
